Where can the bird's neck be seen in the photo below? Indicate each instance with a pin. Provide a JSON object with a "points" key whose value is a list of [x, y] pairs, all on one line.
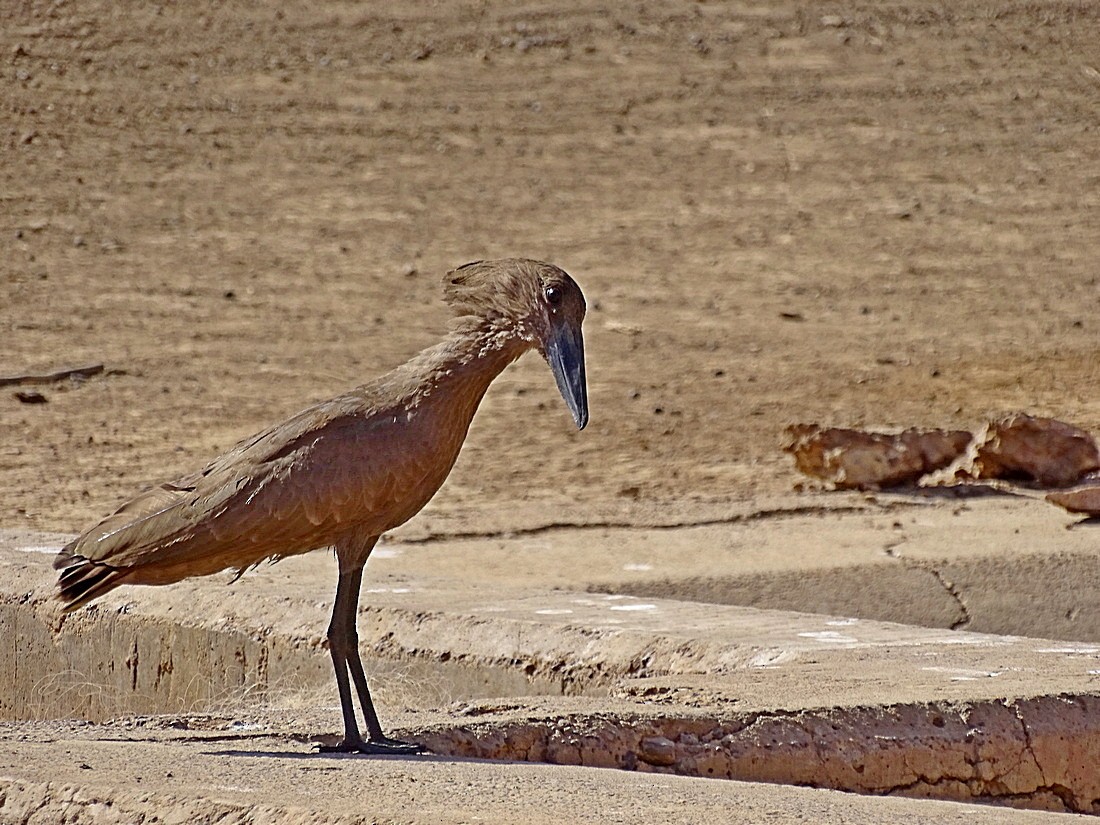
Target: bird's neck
{"points": [[461, 367]]}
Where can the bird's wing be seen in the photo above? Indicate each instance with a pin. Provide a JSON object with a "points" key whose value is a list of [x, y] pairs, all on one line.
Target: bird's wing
{"points": [[285, 490]]}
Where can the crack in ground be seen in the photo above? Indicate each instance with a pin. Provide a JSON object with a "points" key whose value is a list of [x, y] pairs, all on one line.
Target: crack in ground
{"points": [[952, 591], [949, 587], [1024, 799], [619, 524], [1028, 745], [1064, 793]]}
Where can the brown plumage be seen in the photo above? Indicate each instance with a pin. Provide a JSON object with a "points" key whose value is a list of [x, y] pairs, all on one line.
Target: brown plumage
{"points": [[344, 471]]}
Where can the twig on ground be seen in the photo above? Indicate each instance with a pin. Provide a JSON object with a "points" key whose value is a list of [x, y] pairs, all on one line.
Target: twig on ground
{"points": [[79, 373]]}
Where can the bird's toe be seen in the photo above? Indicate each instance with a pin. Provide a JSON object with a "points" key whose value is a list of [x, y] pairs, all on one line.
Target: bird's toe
{"points": [[343, 746], [383, 746]]}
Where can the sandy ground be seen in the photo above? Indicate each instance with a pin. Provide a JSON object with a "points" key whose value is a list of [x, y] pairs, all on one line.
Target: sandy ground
{"points": [[850, 213], [243, 209]]}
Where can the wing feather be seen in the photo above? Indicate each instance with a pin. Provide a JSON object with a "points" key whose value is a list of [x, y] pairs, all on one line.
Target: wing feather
{"points": [[334, 470], [288, 489]]}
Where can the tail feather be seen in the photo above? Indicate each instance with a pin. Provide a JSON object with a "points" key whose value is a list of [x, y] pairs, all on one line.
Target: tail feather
{"points": [[82, 580]]}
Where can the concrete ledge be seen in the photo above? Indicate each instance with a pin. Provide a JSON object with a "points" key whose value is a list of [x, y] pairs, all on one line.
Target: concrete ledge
{"points": [[199, 642], [642, 684]]}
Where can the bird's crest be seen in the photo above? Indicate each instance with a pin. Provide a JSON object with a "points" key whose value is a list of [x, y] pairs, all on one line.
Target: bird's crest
{"points": [[494, 291]]}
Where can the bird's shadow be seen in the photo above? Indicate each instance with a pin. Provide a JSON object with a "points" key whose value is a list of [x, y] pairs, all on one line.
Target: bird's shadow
{"points": [[956, 491], [976, 491], [317, 756], [1090, 521]]}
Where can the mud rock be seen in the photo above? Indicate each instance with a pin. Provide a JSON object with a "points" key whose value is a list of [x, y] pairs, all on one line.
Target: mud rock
{"points": [[1084, 498], [859, 459], [657, 750], [1044, 450]]}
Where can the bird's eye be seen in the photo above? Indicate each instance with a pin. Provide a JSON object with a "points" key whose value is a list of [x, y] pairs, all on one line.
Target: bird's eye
{"points": [[553, 295]]}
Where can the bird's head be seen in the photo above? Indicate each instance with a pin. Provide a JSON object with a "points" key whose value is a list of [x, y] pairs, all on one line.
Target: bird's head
{"points": [[532, 302]]}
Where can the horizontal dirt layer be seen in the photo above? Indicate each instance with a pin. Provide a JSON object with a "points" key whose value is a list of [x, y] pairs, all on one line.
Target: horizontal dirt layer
{"points": [[245, 769], [1034, 753]]}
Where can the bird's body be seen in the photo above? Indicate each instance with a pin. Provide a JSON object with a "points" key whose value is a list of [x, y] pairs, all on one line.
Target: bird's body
{"points": [[344, 471], [361, 463]]}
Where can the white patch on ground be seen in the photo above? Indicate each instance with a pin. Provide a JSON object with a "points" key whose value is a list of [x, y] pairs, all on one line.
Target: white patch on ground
{"points": [[554, 611], [385, 553], [842, 622], [828, 636], [639, 568], [962, 674], [239, 726], [771, 658], [34, 548], [633, 607]]}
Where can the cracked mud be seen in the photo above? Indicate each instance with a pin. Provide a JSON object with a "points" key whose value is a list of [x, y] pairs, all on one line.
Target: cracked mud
{"points": [[1037, 753]]}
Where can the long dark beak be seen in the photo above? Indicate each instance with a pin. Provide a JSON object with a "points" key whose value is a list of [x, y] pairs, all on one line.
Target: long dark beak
{"points": [[565, 355]]}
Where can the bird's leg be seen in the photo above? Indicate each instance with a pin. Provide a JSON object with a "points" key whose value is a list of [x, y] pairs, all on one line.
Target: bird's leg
{"points": [[337, 648], [344, 646]]}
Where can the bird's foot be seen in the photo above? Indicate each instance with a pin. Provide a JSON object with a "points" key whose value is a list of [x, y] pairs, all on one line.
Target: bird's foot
{"points": [[382, 746]]}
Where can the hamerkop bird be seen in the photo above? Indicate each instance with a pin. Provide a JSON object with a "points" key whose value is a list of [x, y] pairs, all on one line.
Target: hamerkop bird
{"points": [[343, 472]]}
